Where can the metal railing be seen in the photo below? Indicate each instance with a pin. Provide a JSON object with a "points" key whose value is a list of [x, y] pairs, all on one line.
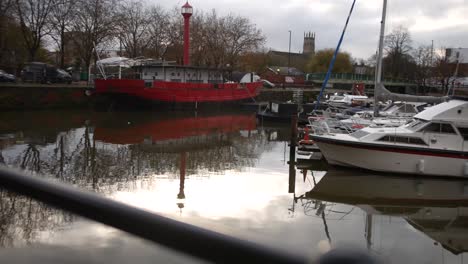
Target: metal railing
{"points": [[186, 238], [351, 76]]}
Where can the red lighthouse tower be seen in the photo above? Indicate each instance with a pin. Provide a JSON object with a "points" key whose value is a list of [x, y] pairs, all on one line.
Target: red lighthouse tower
{"points": [[187, 11]]}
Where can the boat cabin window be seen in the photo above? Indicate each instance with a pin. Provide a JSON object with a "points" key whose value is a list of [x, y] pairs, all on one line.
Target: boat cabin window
{"points": [[464, 132], [403, 139], [416, 124], [439, 128]]}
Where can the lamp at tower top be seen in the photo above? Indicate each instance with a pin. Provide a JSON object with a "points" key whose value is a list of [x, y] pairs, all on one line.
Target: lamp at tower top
{"points": [[187, 10]]}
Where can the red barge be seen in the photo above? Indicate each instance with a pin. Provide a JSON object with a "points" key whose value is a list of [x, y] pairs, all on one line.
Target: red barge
{"points": [[179, 84], [160, 81]]}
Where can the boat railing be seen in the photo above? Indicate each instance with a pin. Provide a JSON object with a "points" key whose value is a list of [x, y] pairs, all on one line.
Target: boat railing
{"points": [[321, 125]]}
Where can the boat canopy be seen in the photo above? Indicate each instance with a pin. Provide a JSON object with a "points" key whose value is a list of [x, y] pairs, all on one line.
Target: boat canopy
{"points": [[116, 61], [453, 110]]}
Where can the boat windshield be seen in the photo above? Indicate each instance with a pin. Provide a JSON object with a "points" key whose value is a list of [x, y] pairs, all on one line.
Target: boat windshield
{"points": [[416, 125], [359, 134], [390, 108]]}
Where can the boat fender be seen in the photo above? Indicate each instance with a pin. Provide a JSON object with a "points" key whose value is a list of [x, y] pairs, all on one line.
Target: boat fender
{"points": [[421, 166], [306, 134], [465, 169], [88, 92]]}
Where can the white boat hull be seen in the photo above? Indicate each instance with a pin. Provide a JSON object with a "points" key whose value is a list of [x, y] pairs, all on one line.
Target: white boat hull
{"points": [[393, 160]]}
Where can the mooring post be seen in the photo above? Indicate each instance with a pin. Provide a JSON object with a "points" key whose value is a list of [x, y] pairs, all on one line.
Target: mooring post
{"points": [[292, 154]]}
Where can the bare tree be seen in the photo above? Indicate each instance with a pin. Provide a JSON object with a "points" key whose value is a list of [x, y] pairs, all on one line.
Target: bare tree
{"points": [[61, 21], [398, 52], [174, 37], [423, 59], [134, 22], [6, 6], [159, 32], [444, 70], [212, 38], [93, 26], [199, 54], [240, 36], [33, 17], [222, 40]]}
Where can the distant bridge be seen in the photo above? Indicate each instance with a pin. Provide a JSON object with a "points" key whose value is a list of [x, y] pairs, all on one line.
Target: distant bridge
{"points": [[351, 78]]}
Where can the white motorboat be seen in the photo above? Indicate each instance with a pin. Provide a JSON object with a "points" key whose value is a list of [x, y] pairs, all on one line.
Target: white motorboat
{"points": [[347, 100], [394, 115], [435, 143]]}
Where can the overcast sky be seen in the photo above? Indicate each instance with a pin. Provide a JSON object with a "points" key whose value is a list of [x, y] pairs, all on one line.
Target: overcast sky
{"points": [[445, 22]]}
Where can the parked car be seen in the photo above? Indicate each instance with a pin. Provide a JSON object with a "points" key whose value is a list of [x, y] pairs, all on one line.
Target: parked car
{"points": [[63, 77], [44, 73], [6, 77]]}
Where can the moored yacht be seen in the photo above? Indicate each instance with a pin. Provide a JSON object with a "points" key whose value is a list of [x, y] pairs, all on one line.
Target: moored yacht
{"points": [[393, 115], [435, 143]]}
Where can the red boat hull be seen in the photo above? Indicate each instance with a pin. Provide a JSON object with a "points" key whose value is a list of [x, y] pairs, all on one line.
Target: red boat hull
{"points": [[179, 92]]}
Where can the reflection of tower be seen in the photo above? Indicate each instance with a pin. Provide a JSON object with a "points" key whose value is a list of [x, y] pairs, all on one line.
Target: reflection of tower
{"points": [[309, 43], [368, 232], [181, 194]]}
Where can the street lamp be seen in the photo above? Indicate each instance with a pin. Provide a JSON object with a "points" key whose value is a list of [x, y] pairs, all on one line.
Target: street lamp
{"points": [[187, 12]]}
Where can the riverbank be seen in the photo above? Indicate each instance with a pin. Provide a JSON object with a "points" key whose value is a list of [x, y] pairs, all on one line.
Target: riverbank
{"points": [[25, 96], [39, 96]]}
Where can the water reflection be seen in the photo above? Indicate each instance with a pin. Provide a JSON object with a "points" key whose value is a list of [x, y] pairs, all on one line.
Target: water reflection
{"points": [[114, 154], [224, 172], [109, 148], [436, 207]]}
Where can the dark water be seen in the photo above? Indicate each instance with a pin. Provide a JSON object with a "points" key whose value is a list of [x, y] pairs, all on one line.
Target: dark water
{"points": [[222, 171]]}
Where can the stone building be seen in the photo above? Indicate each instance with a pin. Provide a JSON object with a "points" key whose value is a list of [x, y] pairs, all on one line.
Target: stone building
{"points": [[296, 60]]}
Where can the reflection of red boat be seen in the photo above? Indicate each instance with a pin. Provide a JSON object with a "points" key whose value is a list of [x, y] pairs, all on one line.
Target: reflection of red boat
{"points": [[160, 130]]}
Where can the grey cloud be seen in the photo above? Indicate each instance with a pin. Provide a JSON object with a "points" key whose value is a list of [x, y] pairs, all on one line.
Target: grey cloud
{"points": [[276, 17]]}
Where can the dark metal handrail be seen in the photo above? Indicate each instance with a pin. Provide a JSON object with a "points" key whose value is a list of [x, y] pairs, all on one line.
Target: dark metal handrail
{"points": [[186, 238]]}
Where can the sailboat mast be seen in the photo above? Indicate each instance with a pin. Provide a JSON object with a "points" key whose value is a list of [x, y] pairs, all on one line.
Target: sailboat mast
{"points": [[378, 69]]}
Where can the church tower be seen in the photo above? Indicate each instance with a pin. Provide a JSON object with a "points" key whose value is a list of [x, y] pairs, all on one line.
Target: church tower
{"points": [[309, 43]]}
